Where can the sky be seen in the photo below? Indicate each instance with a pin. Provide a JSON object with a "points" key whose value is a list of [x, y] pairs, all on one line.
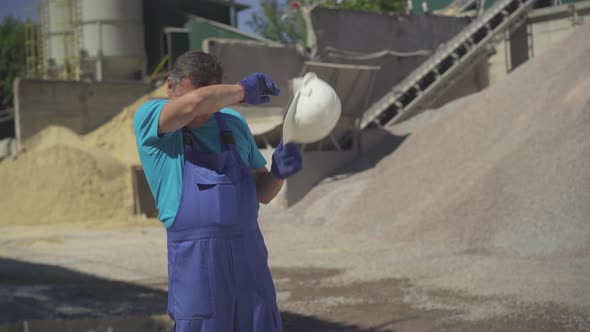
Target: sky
{"points": [[244, 16], [22, 9], [17, 8]]}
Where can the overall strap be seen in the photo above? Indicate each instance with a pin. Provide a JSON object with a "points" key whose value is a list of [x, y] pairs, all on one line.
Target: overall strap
{"points": [[190, 141], [187, 138], [227, 138]]}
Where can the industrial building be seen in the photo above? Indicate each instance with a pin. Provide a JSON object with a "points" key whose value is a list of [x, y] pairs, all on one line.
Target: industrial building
{"points": [[424, 61], [118, 40], [106, 54]]}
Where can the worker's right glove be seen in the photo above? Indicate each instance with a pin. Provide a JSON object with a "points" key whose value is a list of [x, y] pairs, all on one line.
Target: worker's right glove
{"points": [[286, 160], [258, 87]]}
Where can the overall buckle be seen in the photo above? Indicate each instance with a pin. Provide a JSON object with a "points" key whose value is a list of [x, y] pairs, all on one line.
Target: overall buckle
{"points": [[227, 137]]}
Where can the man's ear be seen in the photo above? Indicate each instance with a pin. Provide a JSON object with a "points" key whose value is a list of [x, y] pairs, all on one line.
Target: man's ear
{"points": [[170, 89]]}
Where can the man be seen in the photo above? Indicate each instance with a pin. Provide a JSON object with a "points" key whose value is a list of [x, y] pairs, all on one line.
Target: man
{"points": [[208, 177]]}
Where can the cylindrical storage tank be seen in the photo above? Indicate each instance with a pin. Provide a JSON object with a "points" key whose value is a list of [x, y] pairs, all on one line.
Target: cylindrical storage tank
{"points": [[113, 37], [57, 26]]}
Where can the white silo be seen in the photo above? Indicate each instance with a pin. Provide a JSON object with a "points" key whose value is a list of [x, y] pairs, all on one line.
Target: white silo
{"points": [[58, 26], [112, 37]]}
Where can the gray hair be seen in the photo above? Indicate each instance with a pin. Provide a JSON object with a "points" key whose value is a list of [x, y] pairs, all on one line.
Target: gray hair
{"points": [[201, 68]]}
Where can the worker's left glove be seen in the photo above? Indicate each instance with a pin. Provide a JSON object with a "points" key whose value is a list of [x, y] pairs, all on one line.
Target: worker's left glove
{"points": [[286, 160], [258, 88]]}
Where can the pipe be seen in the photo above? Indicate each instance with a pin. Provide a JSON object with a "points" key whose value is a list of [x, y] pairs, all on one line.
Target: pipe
{"points": [[99, 53]]}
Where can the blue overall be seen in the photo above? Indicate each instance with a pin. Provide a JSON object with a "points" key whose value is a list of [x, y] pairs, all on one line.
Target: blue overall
{"points": [[218, 275]]}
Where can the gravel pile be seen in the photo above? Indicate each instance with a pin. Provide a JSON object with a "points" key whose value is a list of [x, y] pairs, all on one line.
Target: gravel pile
{"points": [[504, 170]]}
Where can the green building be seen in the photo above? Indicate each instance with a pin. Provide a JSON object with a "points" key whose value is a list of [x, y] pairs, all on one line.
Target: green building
{"points": [[175, 26]]}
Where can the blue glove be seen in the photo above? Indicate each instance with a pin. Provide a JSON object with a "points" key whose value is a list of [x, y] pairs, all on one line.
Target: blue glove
{"points": [[286, 160], [257, 87]]}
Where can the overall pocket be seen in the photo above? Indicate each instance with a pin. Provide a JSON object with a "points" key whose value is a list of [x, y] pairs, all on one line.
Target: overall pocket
{"points": [[217, 196], [190, 291]]}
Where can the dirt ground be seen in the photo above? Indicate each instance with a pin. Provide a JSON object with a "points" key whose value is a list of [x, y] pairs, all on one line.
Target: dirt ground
{"points": [[104, 276]]}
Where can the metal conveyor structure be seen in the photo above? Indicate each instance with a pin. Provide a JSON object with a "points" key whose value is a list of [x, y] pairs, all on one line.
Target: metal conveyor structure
{"points": [[423, 86]]}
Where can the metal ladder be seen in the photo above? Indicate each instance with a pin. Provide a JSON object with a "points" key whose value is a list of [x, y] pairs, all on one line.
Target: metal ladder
{"points": [[423, 86]]}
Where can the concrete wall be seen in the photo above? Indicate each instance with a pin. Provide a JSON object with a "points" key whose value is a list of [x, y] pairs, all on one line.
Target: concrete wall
{"points": [[200, 29], [544, 27], [470, 81], [316, 167], [409, 39], [241, 58], [79, 106], [319, 165]]}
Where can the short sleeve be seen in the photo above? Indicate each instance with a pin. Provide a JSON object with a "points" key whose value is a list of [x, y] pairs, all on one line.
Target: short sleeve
{"points": [[255, 160], [145, 126]]}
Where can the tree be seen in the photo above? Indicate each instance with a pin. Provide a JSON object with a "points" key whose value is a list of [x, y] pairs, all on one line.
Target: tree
{"points": [[12, 57], [275, 22], [282, 21]]}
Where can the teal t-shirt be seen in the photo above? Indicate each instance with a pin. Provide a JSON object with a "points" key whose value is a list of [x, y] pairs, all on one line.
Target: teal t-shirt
{"points": [[162, 156]]}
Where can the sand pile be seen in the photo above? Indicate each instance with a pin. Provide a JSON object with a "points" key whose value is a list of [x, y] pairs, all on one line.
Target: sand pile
{"points": [[117, 137], [51, 136], [62, 177], [503, 171], [59, 179]]}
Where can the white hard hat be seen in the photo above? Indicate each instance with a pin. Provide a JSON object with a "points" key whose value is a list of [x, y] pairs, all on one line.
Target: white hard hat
{"points": [[313, 113]]}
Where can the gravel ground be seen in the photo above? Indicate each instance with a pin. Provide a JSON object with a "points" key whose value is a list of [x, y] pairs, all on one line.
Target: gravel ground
{"points": [[117, 276]]}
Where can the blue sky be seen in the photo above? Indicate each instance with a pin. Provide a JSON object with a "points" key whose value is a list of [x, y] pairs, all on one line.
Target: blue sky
{"points": [[22, 9], [17, 8], [244, 16]]}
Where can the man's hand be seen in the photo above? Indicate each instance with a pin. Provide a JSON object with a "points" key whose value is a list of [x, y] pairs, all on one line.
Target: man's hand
{"points": [[286, 160], [258, 87]]}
